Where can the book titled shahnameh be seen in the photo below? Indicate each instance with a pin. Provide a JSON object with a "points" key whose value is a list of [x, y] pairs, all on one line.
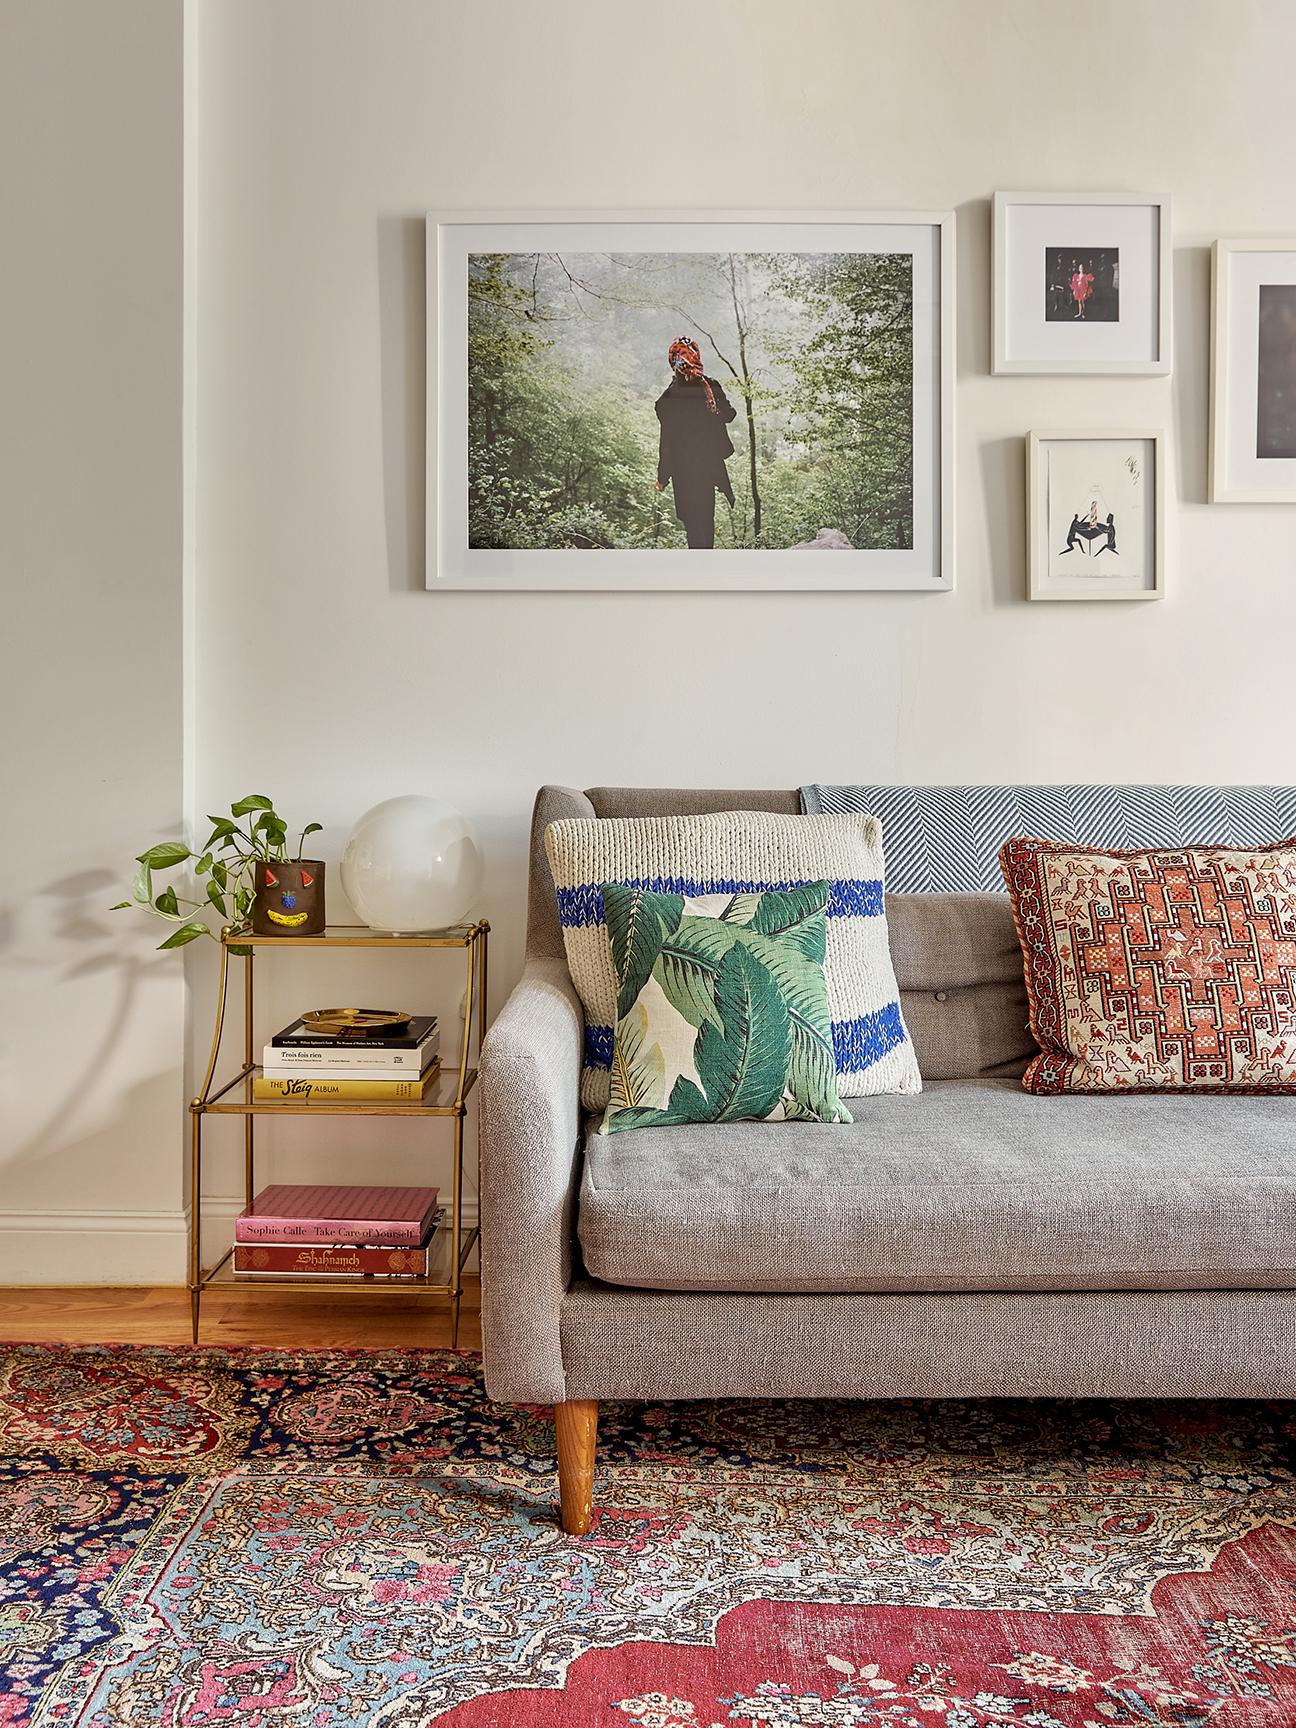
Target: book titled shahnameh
{"points": [[307, 1212], [332, 1259]]}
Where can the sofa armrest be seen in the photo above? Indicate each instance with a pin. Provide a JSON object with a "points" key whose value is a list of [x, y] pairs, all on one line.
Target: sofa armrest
{"points": [[530, 1171]]}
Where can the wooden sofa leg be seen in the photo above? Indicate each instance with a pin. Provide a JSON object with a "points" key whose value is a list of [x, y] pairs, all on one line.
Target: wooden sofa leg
{"points": [[577, 1423]]}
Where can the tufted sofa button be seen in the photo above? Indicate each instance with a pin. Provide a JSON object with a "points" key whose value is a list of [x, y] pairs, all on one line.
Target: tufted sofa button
{"points": [[940, 995]]}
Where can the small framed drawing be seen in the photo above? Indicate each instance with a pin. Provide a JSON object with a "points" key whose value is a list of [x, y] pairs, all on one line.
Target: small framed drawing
{"points": [[1081, 282], [1095, 510], [690, 401], [1253, 372]]}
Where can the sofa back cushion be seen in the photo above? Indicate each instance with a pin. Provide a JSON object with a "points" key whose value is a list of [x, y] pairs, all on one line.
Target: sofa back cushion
{"points": [[962, 984]]}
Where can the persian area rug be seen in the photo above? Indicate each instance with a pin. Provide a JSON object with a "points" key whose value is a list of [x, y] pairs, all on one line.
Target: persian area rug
{"points": [[289, 1539]]}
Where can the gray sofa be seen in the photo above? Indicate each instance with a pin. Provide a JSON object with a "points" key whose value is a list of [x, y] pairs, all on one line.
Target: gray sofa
{"points": [[972, 1241]]}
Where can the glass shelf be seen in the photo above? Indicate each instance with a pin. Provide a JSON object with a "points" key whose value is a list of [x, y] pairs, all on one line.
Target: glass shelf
{"points": [[438, 1282], [235, 1099], [353, 936]]}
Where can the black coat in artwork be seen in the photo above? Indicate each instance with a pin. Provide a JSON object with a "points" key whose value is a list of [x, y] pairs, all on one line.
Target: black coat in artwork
{"points": [[694, 442]]}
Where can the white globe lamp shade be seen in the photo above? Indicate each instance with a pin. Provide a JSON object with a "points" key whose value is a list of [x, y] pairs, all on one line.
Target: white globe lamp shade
{"points": [[412, 864]]}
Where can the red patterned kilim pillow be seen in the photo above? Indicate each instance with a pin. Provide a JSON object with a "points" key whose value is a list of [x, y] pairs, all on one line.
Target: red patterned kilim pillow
{"points": [[1157, 971]]}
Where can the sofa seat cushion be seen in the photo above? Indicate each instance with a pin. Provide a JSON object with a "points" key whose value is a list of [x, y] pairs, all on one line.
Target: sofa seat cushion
{"points": [[968, 1185]]}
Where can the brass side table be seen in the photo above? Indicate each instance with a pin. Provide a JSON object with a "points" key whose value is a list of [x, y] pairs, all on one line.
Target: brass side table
{"points": [[447, 1097]]}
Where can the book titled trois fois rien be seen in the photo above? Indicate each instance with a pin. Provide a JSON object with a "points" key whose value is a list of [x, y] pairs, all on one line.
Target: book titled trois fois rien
{"points": [[302, 1212]]}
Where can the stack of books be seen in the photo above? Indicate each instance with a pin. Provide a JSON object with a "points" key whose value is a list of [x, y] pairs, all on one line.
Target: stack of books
{"points": [[306, 1065], [306, 1230]]}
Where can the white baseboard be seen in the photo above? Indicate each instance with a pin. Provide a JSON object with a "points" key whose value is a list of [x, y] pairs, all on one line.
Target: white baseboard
{"points": [[120, 1248], [92, 1247]]}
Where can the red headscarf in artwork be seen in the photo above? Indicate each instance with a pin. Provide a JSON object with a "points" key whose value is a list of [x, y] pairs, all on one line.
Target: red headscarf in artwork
{"points": [[686, 358]]}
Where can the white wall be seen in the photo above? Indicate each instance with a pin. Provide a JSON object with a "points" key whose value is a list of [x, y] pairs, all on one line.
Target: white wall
{"points": [[327, 677], [329, 128], [91, 1019]]}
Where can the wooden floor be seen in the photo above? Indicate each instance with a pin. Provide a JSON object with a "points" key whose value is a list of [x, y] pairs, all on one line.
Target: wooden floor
{"points": [[314, 1320]]}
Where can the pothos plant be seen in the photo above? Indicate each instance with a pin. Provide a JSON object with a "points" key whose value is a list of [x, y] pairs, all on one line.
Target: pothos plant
{"points": [[226, 864]]}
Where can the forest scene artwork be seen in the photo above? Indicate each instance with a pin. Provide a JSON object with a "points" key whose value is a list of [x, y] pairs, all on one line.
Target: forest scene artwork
{"points": [[672, 400], [1081, 285]]}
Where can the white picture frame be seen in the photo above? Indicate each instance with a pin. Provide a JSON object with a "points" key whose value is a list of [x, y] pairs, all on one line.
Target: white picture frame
{"points": [[1252, 450], [1095, 515], [1081, 283], [927, 238]]}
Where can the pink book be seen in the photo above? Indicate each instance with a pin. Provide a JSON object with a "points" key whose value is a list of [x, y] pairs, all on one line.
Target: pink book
{"points": [[306, 1212]]}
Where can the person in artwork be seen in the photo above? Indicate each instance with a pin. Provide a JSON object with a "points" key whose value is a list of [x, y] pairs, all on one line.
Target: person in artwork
{"points": [[1089, 528], [694, 411], [1081, 286]]}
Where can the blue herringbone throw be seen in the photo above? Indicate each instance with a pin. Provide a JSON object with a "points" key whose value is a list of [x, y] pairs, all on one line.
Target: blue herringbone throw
{"points": [[947, 838]]}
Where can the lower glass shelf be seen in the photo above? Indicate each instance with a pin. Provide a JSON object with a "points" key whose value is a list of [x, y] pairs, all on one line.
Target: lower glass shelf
{"points": [[439, 1280]]}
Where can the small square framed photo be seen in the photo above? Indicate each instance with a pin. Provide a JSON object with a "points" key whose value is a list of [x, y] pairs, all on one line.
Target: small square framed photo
{"points": [[1095, 507], [1253, 372], [1081, 282]]}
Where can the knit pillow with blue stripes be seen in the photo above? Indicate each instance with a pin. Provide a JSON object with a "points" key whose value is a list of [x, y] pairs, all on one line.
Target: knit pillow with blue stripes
{"points": [[740, 852]]}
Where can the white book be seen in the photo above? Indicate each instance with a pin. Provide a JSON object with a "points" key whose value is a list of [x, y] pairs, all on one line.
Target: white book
{"points": [[382, 1077], [335, 1063]]}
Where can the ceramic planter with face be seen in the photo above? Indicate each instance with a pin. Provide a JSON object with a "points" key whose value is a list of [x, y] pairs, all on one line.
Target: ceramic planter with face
{"points": [[289, 899]]}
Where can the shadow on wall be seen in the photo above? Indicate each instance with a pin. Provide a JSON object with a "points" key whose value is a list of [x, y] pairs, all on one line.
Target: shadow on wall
{"points": [[1189, 412], [1003, 492], [78, 979], [402, 320], [972, 237]]}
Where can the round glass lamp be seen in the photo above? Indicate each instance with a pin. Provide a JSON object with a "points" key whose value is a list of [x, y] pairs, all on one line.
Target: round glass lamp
{"points": [[411, 865]]}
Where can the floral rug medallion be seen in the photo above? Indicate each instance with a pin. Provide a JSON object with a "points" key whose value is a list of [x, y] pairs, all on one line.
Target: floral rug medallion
{"points": [[266, 1538]]}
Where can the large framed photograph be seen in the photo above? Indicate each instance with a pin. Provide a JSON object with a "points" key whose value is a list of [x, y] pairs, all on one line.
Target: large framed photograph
{"points": [[1095, 504], [1253, 372], [1081, 282], [709, 401]]}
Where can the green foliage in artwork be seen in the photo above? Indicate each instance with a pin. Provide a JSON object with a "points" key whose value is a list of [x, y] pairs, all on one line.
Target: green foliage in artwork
{"points": [[567, 355], [750, 983]]}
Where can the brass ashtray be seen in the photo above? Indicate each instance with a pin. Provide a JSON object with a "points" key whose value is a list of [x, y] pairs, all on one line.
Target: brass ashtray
{"points": [[356, 1022]]}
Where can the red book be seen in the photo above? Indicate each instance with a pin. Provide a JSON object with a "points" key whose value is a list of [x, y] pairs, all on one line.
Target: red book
{"points": [[306, 1212], [331, 1258]]}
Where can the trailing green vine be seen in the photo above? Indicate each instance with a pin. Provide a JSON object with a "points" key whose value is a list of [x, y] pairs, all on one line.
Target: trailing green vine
{"points": [[225, 866]]}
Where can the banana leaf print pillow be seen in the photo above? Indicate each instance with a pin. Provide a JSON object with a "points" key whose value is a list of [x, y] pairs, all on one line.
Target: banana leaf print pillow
{"points": [[722, 1009]]}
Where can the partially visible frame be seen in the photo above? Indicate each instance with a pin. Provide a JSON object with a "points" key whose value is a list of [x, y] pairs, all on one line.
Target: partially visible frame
{"points": [[1253, 373], [1081, 283], [925, 563], [1095, 510]]}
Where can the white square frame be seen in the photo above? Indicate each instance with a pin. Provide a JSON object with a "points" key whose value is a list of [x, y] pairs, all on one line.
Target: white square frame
{"points": [[1019, 347], [1232, 477], [1038, 585], [726, 570]]}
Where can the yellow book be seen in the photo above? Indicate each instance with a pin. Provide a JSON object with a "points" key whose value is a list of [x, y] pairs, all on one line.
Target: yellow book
{"points": [[309, 1088]]}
